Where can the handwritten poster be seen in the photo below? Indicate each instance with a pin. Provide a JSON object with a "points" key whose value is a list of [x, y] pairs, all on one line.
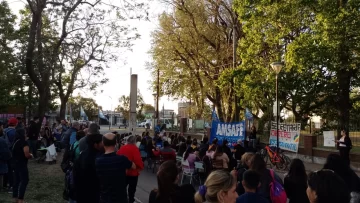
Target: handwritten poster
{"points": [[329, 139]]}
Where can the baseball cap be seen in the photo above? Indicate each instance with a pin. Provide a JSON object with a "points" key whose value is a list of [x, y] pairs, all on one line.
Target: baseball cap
{"points": [[12, 122]]}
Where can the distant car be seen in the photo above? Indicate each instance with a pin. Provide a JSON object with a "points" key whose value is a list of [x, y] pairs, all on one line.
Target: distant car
{"points": [[122, 125], [142, 124]]}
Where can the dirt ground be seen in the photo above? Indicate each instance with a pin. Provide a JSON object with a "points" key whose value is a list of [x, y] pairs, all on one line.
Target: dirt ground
{"points": [[46, 183]]}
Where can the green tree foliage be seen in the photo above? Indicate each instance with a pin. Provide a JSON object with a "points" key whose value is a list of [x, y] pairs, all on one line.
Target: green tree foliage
{"points": [[317, 41], [89, 105], [192, 47], [11, 72], [124, 106]]}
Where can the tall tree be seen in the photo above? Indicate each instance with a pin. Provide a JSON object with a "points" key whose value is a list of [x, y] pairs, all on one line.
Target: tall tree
{"points": [[11, 77], [78, 23], [270, 28], [333, 43], [192, 47]]}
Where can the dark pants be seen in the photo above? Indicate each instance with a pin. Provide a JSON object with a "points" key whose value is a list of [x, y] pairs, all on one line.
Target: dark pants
{"points": [[131, 182], [33, 147], [345, 154], [8, 178], [21, 181]]}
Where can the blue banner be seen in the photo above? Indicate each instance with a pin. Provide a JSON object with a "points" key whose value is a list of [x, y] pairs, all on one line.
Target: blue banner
{"points": [[232, 132]]}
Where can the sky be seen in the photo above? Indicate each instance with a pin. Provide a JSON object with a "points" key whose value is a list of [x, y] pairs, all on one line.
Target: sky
{"points": [[119, 75]]}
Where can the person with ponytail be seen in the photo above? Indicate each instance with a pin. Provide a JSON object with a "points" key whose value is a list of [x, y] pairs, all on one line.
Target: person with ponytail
{"points": [[168, 190], [219, 187]]}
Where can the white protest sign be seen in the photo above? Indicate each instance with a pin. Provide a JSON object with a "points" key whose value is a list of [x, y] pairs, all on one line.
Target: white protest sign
{"points": [[329, 138]]}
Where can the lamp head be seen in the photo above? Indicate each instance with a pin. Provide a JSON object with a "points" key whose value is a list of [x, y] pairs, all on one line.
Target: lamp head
{"points": [[277, 66]]}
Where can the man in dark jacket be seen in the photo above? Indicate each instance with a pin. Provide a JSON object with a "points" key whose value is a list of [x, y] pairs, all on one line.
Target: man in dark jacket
{"points": [[85, 178], [70, 135], [33, 135]]}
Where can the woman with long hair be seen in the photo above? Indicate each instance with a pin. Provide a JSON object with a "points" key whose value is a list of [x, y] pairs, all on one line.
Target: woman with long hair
{"points": [[344, 145], [295, 182], [142, 148], [325, 186], [21, 154], [220, 159], [337, 164], [219, 187], [258, 164], [168, 190]]}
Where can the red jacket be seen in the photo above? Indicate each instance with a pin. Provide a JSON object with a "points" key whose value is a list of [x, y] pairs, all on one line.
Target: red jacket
{"points": [[133, 154]]}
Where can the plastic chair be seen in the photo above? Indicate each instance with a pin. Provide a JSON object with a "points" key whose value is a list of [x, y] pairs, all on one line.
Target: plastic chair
{"points": [[187, 171]]}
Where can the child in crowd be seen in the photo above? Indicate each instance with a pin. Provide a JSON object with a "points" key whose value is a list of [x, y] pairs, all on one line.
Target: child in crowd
{"points": [[251, 181]]}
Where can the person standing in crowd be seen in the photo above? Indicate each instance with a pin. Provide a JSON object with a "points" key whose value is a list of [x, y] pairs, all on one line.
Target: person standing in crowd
{"points": [[69, 137], [20, 123], [111, 171], [92, 130], [64, 126], [252, 138], [168, 190], [244, 166], [33, 135], [219, 187], [295, 182], [258, 164], [204, 146], [251, 181], [85, 178], [5, 156], [21, 154], [337, 164], [344, 145], [9, 136], [325, 186], [133, 154], [239, 150]]}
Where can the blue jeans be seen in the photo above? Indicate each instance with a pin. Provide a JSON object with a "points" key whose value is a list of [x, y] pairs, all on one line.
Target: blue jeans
{"points": [[72, 201], [21, 180], [33, 147]]}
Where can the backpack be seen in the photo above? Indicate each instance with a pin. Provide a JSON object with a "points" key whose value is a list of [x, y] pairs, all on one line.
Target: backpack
{"points": [[6, 137], [69, 190], [277, 192]]}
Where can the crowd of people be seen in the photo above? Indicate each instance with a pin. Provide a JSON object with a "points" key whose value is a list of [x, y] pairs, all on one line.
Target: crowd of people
{"points": [[105, 168]]}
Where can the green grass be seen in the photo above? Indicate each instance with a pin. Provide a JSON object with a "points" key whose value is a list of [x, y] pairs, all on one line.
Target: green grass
{"points": [[46, 184]]}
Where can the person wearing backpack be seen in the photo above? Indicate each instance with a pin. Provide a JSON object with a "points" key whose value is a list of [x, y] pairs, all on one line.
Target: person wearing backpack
{"points": [[69, 159], [9, 137], [269, 180]]}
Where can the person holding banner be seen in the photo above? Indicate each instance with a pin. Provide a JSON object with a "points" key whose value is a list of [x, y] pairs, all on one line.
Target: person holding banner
{"points": [[344, 146]]}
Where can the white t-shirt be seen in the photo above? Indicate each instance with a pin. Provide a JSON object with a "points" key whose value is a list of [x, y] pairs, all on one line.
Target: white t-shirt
{"points": [[342, 140]]}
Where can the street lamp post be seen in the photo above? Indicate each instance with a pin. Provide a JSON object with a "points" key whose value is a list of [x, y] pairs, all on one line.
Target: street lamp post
{"points": [[156, 110], [277, 66], [110, 117]]}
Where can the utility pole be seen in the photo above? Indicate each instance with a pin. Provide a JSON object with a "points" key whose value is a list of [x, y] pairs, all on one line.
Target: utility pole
{"points": [[157, 93]]}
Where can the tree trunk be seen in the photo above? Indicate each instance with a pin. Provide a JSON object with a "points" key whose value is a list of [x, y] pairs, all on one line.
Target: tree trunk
{"points": [[344, 105], [62, 109], [43, 105]]}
